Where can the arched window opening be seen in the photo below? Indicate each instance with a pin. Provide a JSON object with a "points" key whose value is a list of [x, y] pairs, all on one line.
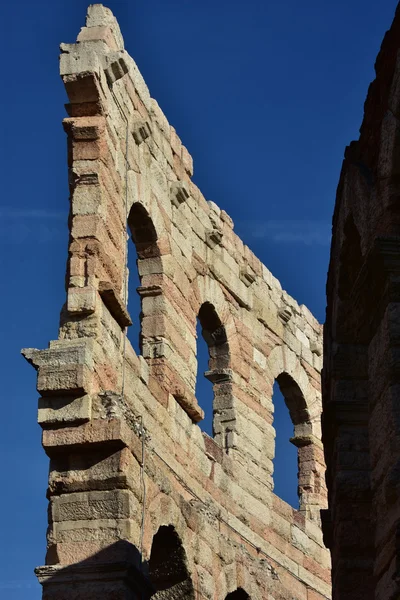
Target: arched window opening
{"points": [[204, 392], [144, 237], [348, 322], [238, 594], [350, 258], [168, 570], [213, 360], [291, 423], [143, 232], [133, 300]]}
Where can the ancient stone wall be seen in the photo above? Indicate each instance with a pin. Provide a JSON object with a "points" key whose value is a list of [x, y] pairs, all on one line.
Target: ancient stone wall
{"points": [[141, 501], [361, 394]]}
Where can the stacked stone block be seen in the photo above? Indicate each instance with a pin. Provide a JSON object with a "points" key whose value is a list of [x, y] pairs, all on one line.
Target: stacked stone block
{"points": [[361, 429], [127, 456]]}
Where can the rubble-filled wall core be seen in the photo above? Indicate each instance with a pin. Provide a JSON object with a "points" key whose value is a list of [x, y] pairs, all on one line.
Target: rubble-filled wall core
{"points": [[361, 394], [142, 502]]}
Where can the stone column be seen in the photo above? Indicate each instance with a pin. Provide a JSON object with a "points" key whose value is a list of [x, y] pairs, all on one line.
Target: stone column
{"points": [[384, 422], [348, 526]]}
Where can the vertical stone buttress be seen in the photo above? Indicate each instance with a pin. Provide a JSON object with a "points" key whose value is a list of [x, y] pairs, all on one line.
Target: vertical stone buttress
{"points": [[361, 393], [131, 473]]}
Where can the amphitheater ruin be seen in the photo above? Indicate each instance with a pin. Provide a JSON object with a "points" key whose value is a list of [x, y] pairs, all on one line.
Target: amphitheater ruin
{"points": [[142, 502]]}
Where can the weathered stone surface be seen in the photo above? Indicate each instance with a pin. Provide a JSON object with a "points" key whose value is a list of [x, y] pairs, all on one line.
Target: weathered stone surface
{"points": [[64, 410], [129, 464], [361, 395], [114, 304]]}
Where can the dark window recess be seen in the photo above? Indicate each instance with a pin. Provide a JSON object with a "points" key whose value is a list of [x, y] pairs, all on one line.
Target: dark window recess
{"points": [[168, 567]]}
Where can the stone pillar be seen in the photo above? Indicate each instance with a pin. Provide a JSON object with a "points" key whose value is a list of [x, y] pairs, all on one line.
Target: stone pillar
{"points": [[94, 512], [384, 421], [348, 525]]}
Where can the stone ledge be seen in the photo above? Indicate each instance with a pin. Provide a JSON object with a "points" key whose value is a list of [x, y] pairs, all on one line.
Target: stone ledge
{"points": [[97, 572], [219, 375], [59, 410], [189, 405], [114, 304], [65, 367], [305, 440], [85, 128], [112, 432]]}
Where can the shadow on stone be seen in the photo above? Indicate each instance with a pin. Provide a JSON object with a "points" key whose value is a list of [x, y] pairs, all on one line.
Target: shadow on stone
{"points": [[113, 572]]}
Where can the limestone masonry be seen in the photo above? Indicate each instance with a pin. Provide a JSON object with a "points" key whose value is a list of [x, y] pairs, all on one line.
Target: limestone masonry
{"points": [[141, 502], [361, 419]]}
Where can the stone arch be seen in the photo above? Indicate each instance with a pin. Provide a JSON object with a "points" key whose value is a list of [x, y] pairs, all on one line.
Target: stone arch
{"points": [[164, 515], [139, 193], [214, 334], [206, 289], [296, 404], [304, 406], [218, 329], [143, 231], [164, 511], [282, 360], [219, 373], [209, 290], [168, 569], [350, 258], [291, 424], [149, 264], [241, 583], [350, 307]]}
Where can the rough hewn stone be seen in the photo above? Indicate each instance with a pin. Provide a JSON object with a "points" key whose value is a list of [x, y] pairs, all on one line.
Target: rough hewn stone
{"points": [[361, 426], [128, 461]]}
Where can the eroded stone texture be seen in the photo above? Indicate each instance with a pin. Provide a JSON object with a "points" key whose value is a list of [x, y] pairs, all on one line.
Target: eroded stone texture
{"points": [[127, 457], [361, 426]]}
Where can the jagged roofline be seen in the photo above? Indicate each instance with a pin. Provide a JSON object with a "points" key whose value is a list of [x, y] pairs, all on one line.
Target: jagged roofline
{"points": [[115, 64]]}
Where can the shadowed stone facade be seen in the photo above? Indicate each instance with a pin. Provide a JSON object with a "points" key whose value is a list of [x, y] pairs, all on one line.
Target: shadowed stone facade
{"points": [[141, 502], [361, 399]]}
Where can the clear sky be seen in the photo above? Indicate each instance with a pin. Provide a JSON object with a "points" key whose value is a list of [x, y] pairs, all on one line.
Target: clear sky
{"points": [[265, 94]]}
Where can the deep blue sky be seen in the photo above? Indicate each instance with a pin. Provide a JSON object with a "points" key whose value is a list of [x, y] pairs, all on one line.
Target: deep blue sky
{"points": [[265, 95]]}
